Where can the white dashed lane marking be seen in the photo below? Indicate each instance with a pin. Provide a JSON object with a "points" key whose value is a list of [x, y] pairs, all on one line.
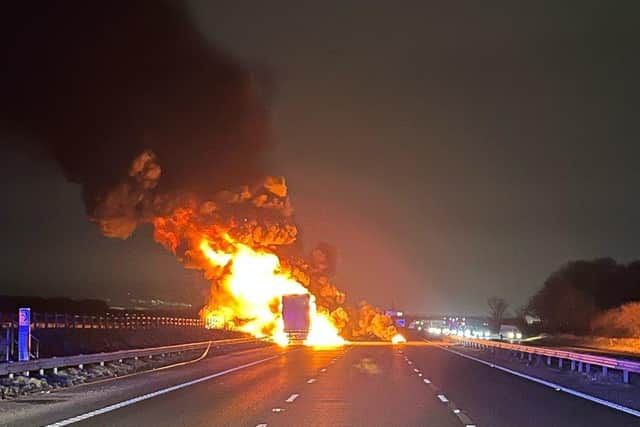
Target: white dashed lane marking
{"points": [[464, 418], [556, 387], [151, 395], [291, 398], [261, 425], [311, 381], [277, 410], [323, 370]]}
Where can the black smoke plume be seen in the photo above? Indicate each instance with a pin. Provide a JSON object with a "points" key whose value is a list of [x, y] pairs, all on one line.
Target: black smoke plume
{"points": [[120, 93]]}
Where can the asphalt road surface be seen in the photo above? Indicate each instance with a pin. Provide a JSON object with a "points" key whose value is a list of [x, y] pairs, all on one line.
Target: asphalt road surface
{"points": [[364, 385]]}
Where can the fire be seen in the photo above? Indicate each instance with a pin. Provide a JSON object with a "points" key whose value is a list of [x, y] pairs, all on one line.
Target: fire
{"points": [[398, 339], [243, 243], [255, 282]]}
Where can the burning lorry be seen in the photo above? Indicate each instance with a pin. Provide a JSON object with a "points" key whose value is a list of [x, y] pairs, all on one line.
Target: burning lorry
{"points": [[296, 316]]}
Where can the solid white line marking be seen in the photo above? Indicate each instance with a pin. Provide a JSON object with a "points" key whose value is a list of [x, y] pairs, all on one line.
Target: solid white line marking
{"points": [[311, 381], [443, 398], [558, 387], [153, 394], [427, 381], [323, 370], [261, 425], [291, 398], [415, 370]]}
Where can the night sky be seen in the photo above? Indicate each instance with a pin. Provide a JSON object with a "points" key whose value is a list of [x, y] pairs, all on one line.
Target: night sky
{"points": [[449, 152]]}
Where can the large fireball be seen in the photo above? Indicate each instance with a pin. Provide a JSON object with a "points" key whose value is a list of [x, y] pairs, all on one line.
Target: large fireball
{"points": [[255, 283]]}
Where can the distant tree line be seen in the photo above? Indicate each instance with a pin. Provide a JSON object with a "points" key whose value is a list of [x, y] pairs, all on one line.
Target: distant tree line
{"points": [[590, 297], [10, 304], [53, 305]]}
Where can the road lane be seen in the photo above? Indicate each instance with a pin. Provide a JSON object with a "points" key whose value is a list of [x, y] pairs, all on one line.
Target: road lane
{"points": [[46, 408], [363, 385], [370, 386], [496, 398], [236, 399]]}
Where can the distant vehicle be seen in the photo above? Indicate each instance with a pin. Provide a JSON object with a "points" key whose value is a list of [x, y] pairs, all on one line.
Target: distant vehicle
{"points": [[295, 314], [510, 332]]}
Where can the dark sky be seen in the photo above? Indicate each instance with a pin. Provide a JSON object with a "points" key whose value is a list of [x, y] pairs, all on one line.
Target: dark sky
{"points": [[449, 152]]}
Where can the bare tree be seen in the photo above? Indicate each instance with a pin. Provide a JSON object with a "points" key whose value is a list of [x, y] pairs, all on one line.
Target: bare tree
{"points": [[497, 308]]}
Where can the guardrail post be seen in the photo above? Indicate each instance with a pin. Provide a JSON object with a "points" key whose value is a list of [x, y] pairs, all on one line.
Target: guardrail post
{"points": [[55, 371], [587, 368], [560, 362], [41, 372], [625, 376], [530, 357], [549, 360], [605, 371], [579, 366], [80, 366], [573, 365], [521, 355]]}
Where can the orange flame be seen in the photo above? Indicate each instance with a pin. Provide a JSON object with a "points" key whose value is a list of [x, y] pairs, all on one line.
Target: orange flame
{"points": [[398, 339], [255, 283]]}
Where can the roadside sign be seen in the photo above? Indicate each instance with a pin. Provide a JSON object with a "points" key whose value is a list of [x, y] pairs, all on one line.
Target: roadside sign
{"points": [[24, 333]]}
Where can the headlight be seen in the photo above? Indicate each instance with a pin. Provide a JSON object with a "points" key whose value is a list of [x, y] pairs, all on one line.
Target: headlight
{"points": [[487, 333], [510, 335], [518, 335], [467, 333]]}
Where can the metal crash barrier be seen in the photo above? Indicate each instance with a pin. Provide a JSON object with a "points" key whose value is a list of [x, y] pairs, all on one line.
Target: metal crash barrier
{"points": [[580, 362], [82, 360]]}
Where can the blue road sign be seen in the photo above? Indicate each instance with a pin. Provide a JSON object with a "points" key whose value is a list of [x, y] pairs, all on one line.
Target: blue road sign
{"points": [[24, 333]]}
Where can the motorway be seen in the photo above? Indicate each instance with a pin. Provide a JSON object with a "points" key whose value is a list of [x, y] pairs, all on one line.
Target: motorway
{"points": [[417, 384]]}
